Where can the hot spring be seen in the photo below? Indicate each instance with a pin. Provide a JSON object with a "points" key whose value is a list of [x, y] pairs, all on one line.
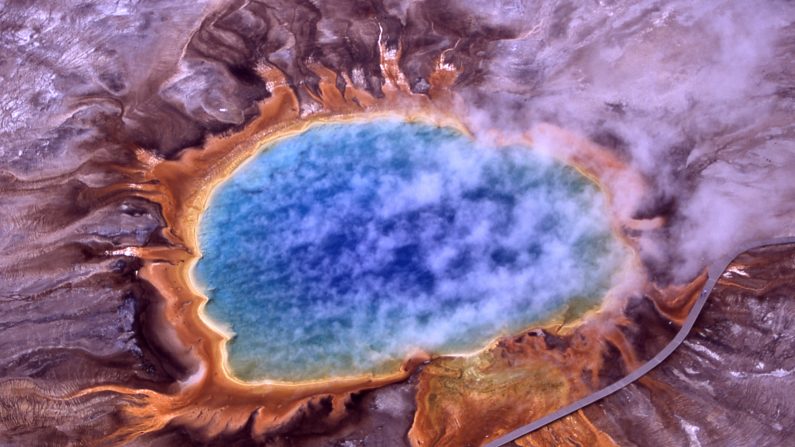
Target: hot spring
{"points": [[346, 248]]}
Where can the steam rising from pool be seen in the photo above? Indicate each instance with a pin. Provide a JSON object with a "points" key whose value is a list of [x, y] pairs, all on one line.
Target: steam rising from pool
{"points": [[340, 251]]}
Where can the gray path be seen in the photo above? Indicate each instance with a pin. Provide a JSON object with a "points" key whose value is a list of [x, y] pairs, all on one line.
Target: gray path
{"points": [[715, 272]]}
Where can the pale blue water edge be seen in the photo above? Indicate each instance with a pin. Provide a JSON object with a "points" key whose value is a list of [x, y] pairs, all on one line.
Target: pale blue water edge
{"points": [[341, 250]]}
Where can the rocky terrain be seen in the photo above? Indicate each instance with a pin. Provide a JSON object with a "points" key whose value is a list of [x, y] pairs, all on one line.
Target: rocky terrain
{"points": [[105, 105]]}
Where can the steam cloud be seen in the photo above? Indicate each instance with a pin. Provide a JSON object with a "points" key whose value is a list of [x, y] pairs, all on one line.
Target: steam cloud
{"points": [[697, 96]]}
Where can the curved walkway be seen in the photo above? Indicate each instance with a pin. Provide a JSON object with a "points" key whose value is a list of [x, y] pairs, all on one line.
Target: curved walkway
{"points": [[715, 272]]}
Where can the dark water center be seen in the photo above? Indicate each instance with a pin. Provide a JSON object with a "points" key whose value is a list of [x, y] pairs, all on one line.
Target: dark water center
{"points": [[341, 250]]}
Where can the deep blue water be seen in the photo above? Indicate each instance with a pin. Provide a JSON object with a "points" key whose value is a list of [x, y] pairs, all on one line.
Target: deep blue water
{"points": [[340, 250]]}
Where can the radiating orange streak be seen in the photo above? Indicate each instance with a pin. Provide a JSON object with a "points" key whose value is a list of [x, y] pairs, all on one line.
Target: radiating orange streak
{"points": [[684, 296], [520, 379], [211, 400], [575, 429], [461, 399]]}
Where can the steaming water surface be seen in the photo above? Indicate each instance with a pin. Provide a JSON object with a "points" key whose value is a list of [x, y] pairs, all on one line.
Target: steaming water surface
{"points": [[343, 249]]}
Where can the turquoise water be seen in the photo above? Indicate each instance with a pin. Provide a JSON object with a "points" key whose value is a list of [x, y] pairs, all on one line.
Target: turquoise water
{"points": [[343, 249]]}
